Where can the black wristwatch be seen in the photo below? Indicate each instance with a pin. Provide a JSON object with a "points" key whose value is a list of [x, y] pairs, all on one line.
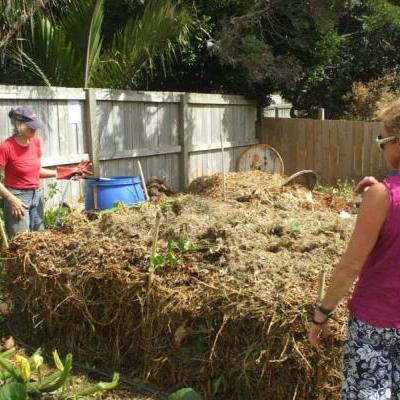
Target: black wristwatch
{"points": [[326, 311]]}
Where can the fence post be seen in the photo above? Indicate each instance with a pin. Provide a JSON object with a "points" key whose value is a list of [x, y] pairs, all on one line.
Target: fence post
{"points": [[92, 136], [321, 113], [183, 140], [276, 112], [259, 119]]}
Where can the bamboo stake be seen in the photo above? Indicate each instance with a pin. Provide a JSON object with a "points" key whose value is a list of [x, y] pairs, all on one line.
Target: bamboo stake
{"points": [[146, 194], [4, 239], [223, 166]]}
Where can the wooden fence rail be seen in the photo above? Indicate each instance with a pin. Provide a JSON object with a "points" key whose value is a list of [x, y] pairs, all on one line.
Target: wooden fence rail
{"points": [[334, 149]]}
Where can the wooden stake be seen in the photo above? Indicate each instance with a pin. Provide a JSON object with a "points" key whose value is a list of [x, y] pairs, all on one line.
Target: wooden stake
{"points": [[154, 248], [4, 239], [321, 285], [155, 236], [223, 166], [146, 194], [94, 193]]}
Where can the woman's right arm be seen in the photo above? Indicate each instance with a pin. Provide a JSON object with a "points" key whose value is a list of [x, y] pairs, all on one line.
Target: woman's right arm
{"points": [[17, 206]]}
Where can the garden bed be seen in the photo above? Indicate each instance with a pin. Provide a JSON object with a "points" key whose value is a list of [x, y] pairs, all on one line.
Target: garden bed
{"points": [[225, 311]]}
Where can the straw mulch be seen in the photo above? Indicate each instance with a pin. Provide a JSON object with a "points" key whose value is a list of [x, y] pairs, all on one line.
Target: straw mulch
{"points": [[229, 319]]}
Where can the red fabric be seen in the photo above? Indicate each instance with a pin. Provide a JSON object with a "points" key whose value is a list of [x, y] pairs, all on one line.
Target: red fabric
{"points": [[21, 163]]}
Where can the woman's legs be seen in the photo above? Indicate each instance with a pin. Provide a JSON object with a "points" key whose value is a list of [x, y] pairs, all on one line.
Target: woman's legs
{"points": [[369, 368], [36, 213]]}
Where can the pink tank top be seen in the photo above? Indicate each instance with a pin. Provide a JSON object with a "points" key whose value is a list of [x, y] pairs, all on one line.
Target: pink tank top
{"points": [[376, 296]]}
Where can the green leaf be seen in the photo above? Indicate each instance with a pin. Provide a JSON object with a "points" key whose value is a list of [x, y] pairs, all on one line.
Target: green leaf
{"points": [[62, 377], [13, 391], [294, 227], [57, 360], [157, 260], [183, 245], [171, 259], [99, 387], [185, 394]]}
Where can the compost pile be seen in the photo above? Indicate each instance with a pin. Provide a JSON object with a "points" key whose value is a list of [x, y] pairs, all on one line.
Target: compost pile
{"points": [[264, 187], [225, 310]]}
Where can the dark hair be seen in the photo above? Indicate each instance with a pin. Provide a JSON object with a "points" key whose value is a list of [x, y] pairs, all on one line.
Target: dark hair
{"points": [[11, 114], [14, 115]]}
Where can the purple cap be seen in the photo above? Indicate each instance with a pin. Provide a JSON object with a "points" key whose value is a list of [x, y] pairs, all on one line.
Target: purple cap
{"points": [[26, 115]]}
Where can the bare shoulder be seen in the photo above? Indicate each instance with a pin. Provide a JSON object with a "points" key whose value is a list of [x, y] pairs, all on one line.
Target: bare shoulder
{"points": [[376, 195]]}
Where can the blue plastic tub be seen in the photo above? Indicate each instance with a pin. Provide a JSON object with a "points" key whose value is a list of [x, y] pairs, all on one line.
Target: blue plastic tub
{"points": [[104, 193]]}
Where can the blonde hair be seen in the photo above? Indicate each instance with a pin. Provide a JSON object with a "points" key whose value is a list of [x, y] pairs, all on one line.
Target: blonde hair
{"points": [[390, 117]]}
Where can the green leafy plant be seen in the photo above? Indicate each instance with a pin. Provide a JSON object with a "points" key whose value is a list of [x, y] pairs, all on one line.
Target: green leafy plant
{"points": [[343, 189], [54, 217], [53, 190], [156, 262], [172, 257], [294, 227], [21, 378]]}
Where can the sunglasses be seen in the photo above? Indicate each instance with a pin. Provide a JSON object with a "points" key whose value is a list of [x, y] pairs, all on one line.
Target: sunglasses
{"points": [[381, 140]]}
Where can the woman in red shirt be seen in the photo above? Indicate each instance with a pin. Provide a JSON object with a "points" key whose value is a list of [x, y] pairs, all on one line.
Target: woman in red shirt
{"points": [[20, 163]]}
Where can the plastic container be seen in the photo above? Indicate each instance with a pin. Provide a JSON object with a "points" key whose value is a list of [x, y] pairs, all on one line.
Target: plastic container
{"points": [[105, 193]]}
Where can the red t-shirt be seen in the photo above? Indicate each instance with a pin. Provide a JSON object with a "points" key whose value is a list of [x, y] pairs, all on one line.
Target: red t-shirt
{"points": [[21, 163]]}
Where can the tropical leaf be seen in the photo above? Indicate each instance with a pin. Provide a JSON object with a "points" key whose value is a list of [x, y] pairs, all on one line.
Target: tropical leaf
{"points": [[14, 14], [67, 50], [46, 53], [82, 25], [151, 39], [62, 53]]}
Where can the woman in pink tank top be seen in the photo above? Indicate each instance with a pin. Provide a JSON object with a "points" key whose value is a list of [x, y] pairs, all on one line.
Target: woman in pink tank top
{"points": [[371, 363]]}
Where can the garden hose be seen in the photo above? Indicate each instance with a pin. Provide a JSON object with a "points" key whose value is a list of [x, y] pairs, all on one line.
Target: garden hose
{"points": [[142, 387]]}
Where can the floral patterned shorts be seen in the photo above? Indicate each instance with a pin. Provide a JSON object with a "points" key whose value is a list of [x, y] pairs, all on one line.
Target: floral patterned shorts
{"points": [[371, 363]]}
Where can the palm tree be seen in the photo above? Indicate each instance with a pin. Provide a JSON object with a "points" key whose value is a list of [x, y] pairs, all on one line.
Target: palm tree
{"points": [[69, 51]]}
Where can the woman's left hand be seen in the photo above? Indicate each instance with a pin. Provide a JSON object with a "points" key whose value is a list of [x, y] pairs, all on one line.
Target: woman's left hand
{"points": [[316, 331]]}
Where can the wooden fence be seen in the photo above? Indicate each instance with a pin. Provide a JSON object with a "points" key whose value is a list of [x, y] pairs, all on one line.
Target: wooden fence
{"points": [[334, 149], [278, 111], [176, 136]]}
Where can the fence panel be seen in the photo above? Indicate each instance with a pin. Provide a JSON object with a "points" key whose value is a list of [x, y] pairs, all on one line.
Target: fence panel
{"points": [[119, 128], [334, 149], [232, 122]]}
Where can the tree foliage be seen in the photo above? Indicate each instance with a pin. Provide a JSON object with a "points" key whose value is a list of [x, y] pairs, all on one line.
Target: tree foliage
{"points": [[314, 52], [67, 49], [360, 48]]}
